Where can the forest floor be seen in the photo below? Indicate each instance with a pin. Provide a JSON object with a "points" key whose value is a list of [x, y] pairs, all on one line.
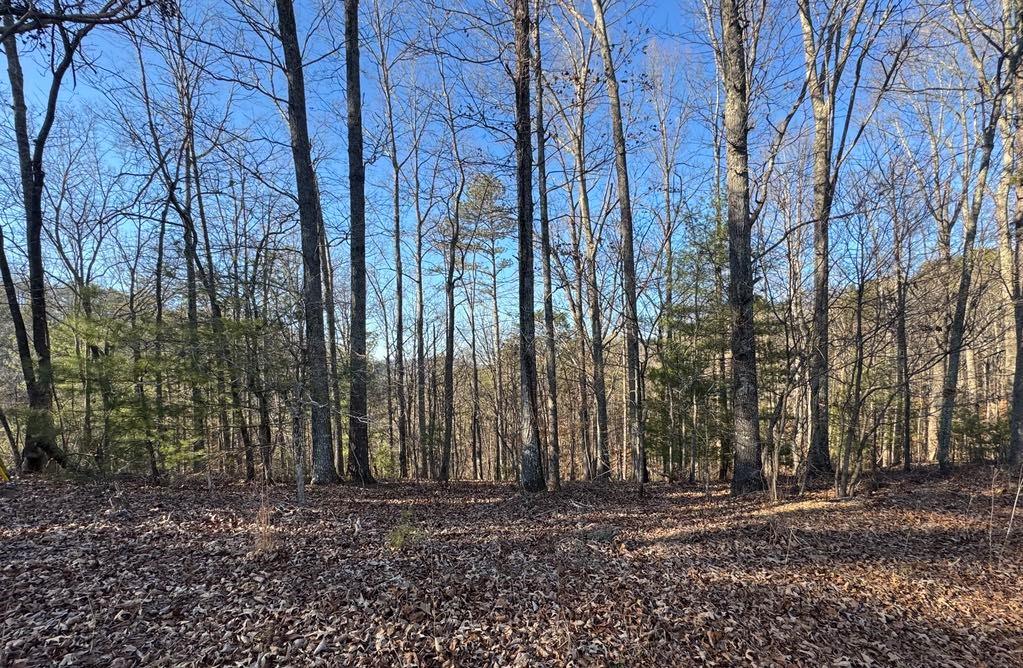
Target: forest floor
{"points": [[917, 573]]}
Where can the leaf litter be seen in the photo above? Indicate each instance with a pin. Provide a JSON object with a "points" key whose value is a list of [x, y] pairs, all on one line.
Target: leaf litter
{"points": [[924, 571]]}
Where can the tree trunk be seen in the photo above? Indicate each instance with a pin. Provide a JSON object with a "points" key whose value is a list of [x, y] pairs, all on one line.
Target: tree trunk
{"points": [[745, 409], [476, 425], [958, 327], [452, 260], [40, 434], [634, 380], [902, 356], [399, 334], [819, 461], [330, 306], [554, 455], [309, 218], [358, 408], [499, 454], [532, 477]]}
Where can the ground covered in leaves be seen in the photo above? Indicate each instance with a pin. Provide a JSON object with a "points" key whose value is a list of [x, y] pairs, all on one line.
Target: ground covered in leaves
{"points": [[922, 571]]}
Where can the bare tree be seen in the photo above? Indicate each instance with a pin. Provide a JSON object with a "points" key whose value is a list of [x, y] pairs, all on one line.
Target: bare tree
{"points": [[745, 409], [309, 217], [358, 408], [833, 39], [383, 29], [453, 260], [40, 436], [551, 349], [991, 90], [532, 477], [580, 50], [634, 380]]}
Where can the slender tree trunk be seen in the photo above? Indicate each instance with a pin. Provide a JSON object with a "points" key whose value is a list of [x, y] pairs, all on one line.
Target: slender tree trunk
{"points": [[40, 434], [452, 260], [603, 463], [476, 425], [819, 461], [358, 409], [554, 461], [852, 416], [584, 400], [309, 218], [297, 439], [330, 306], [161, 425], [432, 428], [399, 277], [199, 447], [499, 446], [634, 406], [388, 372], [444, 471], [958, 327], [531, 477], [902, 356]]}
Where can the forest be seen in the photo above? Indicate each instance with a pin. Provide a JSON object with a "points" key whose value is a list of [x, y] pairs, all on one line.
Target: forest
{"points": [[511, 332]]}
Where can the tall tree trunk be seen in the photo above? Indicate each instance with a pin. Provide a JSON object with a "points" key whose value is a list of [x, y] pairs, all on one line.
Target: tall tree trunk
{"points": [[554, 455], [531, 477], [902, 354], [161, 425], [424, 464], [819, 461], [855, 403], [745, 409], [40, 434], [444, 472], [399, 277], [476, 424], [452, 261], [1009, 247], [309, 218], [358, 408], [958, 328], [330, 305], [388, 371], [499, 445], [603, 451], [200, 454], [633, 377]]}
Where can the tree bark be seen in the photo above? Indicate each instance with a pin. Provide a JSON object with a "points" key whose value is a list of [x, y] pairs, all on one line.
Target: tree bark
{"points": [[358, 408], [958, 327], [309, 219], [745, 408], [634, 380], [551, 349], [40, 434], [452, 259], [399, 277], [531, 476]]}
